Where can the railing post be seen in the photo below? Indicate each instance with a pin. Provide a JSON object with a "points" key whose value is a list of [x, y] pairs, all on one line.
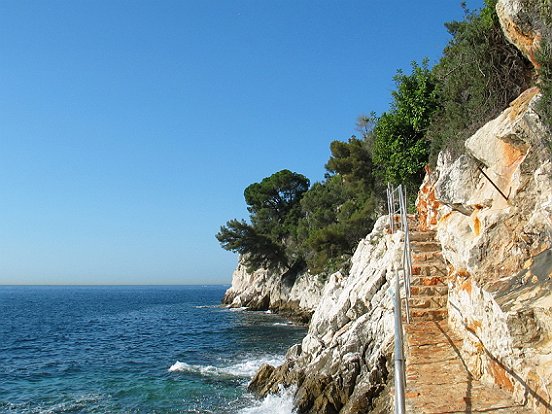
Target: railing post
{"points": [[400, 377], [390, 208], [400, 365]]}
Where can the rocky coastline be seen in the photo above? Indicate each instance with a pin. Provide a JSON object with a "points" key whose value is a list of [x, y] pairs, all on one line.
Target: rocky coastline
{"points": [[491, 211]]}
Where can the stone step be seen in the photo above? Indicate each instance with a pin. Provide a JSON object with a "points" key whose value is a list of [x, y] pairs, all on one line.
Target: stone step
{"points": [[431, 263], [430, 290], [423, 236], [434, 271], [438, 381], [423, 257], [428, 314], [397, 223], [426, 302], [422, 280], [425, 246]]}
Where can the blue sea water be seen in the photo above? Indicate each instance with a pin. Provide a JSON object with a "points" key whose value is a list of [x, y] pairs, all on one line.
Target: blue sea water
{"points": [[162, 349]]}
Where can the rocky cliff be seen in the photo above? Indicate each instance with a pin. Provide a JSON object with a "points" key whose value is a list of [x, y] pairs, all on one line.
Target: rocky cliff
{"points": [[492, 209], [342, 365], [295, 295], [492, 212]]}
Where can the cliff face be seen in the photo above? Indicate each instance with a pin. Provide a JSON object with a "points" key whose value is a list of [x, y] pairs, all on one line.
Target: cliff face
{"points": [[288, 294], [342, 364], [492, 211], [494, 222]]}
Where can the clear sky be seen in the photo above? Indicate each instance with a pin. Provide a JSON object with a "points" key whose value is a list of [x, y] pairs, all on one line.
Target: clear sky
{"points": [[129, 129]]}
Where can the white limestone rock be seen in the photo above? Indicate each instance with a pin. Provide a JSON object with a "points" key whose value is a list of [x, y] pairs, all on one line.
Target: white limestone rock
{"points": [[296, 295], [499, 248], [342, 366]]}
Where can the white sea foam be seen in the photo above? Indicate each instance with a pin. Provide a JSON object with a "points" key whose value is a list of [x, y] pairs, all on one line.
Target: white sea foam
{"points": [[280, 403], [238, 309], [78, 404], [246, 368]]}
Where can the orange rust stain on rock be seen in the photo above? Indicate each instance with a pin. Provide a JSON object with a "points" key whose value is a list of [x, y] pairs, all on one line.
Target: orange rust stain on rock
{"points": [[510, 154], [474, 326], [500, 375], [521, 103], [466, 287], [476, 223], [527, 43], [428, 204], [462, 272], [476, 226], [445, 217]]}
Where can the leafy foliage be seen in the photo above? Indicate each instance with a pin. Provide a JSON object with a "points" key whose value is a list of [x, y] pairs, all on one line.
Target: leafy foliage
{"points": [[400, 148], [544, 58], [338, 212], [479, 74], [260, 250], [351, 160], [274, 210], [432, 109]]}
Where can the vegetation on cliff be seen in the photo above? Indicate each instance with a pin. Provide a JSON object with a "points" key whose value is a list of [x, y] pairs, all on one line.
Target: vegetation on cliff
{"points": [[479, 74], [293, 226], [544, 58]]}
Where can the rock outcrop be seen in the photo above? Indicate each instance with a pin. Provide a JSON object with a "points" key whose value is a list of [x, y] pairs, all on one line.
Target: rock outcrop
{"points": [[343, 364], [295, 295], [495, 225], [522, 22], [491, 210]]}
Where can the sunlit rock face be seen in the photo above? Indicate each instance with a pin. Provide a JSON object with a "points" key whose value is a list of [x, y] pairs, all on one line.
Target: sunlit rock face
{"points": [[290, 294], [522, 22], [343, 363], [495, 226], [496, 201]]}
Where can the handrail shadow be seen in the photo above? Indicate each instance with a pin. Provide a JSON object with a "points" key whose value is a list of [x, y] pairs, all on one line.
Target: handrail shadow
{"points": [[528, 390]]}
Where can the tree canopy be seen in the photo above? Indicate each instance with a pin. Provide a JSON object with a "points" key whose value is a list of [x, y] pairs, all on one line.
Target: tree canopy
{"points": [[294, 226], [274, 210]]}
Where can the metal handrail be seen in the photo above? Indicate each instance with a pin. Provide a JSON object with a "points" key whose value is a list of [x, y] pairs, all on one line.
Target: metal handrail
{"points": [[396, 203]]}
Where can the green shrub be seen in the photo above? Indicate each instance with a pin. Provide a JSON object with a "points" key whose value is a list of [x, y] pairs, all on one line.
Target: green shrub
{"points": [[400, 149], [479, 74], [544, 58]]}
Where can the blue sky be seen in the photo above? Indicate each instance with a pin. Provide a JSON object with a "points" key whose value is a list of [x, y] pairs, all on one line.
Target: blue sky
{"points": [[129, 129]]}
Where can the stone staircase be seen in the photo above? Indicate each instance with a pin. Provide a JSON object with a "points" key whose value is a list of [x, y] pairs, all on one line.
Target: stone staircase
{"points": [[429, 289], [437, 378]]}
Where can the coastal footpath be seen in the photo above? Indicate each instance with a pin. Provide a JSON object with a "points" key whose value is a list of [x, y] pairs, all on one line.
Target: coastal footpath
{"points": [[489, 213]]}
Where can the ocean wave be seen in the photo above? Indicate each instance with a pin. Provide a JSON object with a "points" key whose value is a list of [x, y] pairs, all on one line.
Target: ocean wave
{"points": [[245, 369], [280, 403], [238, 309]]}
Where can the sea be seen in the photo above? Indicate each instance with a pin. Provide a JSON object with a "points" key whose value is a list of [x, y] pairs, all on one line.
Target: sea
{"points": [[136, 349]]}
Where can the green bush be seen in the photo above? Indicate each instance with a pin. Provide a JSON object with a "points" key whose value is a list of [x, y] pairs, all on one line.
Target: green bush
{"points": [[274, 207], [400, 149], [544, 58], [479, 74]]}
